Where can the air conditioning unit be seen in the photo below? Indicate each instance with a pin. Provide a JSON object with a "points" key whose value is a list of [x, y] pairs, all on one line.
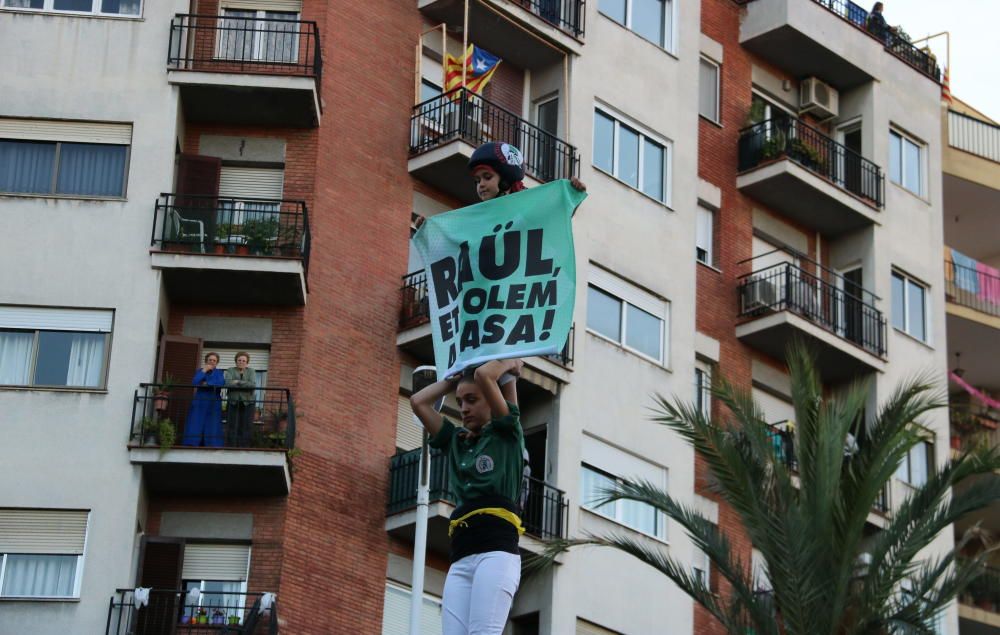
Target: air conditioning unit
{"points": [[759, 295], [819, 98]]}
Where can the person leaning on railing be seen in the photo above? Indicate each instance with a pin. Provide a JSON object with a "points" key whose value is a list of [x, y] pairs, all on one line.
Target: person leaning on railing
{"points": [[241, 387]]}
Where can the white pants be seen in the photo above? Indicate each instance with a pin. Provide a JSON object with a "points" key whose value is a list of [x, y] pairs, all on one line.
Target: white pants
{"points": [[478, 593]]}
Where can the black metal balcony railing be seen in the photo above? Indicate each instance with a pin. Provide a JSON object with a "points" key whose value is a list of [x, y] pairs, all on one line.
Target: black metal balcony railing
{"points": [[974, 136], [242, 43], [246, 226], [984, 590], [462, 114], [973, 288], [566, 15], [416, 310], [160, 411], [544, 508], [890, 38], [786, 287], [784, 447], [174, 611], [785, 137]]}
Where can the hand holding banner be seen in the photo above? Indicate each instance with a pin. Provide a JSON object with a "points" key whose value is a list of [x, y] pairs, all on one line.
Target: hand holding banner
{"points": [[501, 276]]}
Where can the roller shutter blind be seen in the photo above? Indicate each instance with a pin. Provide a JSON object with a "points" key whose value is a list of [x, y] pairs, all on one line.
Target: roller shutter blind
{"points": [[68, 131], [236, 182], [586, 628], [294, 6], [396, 613], [48, 531], [215, 562], [409, 434], [775, 409], [49, 319], [260, 359]]}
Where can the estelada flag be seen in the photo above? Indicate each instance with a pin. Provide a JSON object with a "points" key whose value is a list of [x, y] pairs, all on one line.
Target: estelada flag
{"points": [[479, 68]]}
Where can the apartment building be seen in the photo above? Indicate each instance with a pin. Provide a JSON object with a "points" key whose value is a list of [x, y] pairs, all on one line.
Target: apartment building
{"points": [[241, 176], [971, 166]]}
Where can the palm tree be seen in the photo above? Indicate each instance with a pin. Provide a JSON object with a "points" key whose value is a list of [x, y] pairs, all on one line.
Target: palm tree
{"points": [[826, 575]]}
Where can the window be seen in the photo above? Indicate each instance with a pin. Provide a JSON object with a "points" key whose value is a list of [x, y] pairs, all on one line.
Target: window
{"points": [[41, 552], [700, 567], [708, 89], [54, 347], [703, 388], [917, 465], [632, 156], [69, 158], [906, 162], [99, 7], [909, 306], [649, 19], [259, 36], [627, 315], [638, 516], [240, 192], [396, 612], [703, 236], [260, 359], [219, 572]]}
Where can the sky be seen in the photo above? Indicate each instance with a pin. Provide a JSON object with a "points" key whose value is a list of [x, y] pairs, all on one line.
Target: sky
{"points": [[975, 43]]}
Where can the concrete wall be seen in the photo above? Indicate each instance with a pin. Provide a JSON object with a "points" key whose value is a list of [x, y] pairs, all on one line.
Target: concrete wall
{"points": [[67, 448]]}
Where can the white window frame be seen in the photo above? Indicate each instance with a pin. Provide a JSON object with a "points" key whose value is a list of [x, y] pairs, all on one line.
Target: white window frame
{"points": [[661, 518], [628, 294], [701, 558], [47, 6], [907, 279], [644, 133], [905, 138], [714, 117], [904, 473], [702, 386], [700, 212], [77, 578], [669, 28]]}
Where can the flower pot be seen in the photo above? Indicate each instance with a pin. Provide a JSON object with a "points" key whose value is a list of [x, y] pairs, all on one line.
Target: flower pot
{"points": [[956, 442], [160, 401], [242, 250], [219, 248], [234, 620], [203, 619]]}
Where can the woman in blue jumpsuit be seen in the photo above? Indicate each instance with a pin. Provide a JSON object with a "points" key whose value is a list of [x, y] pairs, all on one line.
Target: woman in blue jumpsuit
{"points": [[203, 426]]}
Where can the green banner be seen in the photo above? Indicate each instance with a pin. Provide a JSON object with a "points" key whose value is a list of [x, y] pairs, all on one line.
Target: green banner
{"points": [[501, 276]]}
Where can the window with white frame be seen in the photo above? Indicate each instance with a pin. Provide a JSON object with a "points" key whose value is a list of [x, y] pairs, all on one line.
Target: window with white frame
{"points": [[258, 36], [131, 8], [219, 572], [41, 552], [627, 315], [49, 347], [704, 235], [632, 155], [603, 466], [703, 387], [917, 465], [709, 76], [701, 567], [651, 20], [64, 158], [909, 306], [759, 570], [396, 611], [906, 157]]}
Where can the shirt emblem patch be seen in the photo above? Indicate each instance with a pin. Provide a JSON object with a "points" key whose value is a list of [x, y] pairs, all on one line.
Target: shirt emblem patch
{"points": [[484, 464]]}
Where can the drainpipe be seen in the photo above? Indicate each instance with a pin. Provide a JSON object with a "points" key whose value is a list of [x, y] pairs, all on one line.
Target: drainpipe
{"points": [[422, 376]]}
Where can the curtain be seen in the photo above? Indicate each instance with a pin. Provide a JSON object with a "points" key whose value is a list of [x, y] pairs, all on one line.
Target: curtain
{"points": [[279, 40], [39, 575], [24, 4], [15, 358], [92, 169], [73, 5], [121, 7], [26, 167], [86, 359], [236, 32]]}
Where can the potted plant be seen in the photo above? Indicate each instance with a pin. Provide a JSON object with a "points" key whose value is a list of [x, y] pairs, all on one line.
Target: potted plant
{"points": [[234, 620], [166, 434], [148, 431], [259, 234], [218, 617], [202, 616], [161, 394], [223, 238]]}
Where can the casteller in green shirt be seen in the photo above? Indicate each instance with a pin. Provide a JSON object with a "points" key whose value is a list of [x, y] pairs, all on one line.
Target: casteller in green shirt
{"points": [[490, 464]]}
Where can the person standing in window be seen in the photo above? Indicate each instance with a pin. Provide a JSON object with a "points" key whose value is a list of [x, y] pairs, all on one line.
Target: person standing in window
{"points": [[241, 401], [203, 426], [485, 468]]}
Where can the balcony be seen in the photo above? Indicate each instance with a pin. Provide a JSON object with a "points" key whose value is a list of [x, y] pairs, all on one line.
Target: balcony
{"points": [[979, 604], [530, 34], [445, 130], [807, 176], [174, 611], [971, 165], [246, 71], [235, 451], [545, 372], [544, 514], [827, 39], [784, 301], [226, 251]]}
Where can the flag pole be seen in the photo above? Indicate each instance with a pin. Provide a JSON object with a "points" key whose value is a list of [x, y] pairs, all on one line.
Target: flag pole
{"points": [[422, 376], [465, 41]]}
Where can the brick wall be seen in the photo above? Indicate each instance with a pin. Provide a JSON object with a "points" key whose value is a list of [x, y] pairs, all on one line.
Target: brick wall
{"points": [[506, 89]]}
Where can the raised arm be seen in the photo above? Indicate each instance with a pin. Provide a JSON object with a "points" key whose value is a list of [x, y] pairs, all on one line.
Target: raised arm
{"points": [[486, 378], [423, 404]]}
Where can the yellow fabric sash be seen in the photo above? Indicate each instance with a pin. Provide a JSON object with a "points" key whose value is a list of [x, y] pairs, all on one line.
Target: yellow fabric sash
{"points": [[499, 512]]}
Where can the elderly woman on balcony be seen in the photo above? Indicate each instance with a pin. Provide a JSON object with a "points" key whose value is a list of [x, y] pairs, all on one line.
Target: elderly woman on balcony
{"points": [[203, 426], [241, 401]]}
